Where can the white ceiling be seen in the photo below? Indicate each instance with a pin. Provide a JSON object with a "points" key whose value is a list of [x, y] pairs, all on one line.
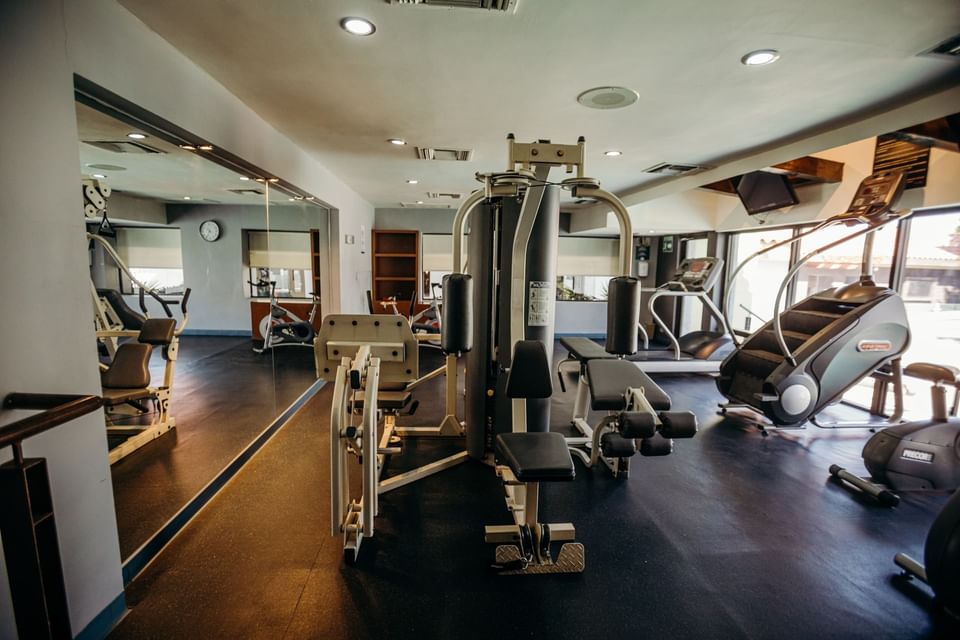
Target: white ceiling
{"points": [[466, 78], [169, 176]]}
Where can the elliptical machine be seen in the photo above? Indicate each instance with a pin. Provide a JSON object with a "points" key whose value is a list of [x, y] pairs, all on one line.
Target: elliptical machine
{"points": [[919, 455], [941, 556]]}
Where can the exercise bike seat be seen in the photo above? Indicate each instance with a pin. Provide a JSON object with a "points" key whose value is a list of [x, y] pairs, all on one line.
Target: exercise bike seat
{"points": [[936, 373], [536, 457], [609, 380]]}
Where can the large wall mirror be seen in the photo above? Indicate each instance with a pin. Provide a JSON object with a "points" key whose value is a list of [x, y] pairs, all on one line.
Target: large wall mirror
{"points": [[192, 382]]}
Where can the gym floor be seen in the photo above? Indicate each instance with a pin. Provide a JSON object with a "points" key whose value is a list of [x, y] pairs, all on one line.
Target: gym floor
{"points": [[734, 535], [224, 394]]}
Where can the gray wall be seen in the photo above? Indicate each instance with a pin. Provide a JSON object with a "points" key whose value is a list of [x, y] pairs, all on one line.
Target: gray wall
{"points": [[52, 347], [425, 220], [217, 271]]}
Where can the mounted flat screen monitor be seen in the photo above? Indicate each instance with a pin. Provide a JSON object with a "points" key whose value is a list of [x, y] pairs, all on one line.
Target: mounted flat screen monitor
{"points": [[763, 191]]}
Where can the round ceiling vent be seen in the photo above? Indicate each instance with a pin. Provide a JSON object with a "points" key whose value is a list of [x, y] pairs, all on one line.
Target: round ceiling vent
{"points": [[608, 97], [107, 167]]}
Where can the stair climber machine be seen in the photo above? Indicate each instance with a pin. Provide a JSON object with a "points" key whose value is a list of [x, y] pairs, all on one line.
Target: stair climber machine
{"points": [[696, 351], [810, 354]]}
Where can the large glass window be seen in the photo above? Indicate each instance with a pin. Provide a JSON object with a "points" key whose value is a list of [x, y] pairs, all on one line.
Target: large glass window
{"points": [[436, 262], [153, 256], [585, 267], [691, 309], [931, 289], [755, 291], [281, 257], [842, 264]]}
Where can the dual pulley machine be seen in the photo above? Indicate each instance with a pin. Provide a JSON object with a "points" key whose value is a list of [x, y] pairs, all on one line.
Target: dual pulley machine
{"points": [[500, 313]]}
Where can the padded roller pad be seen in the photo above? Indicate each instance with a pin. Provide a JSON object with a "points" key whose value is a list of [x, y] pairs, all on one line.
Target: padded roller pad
{"points": [[636, 424], [614, 445], [656, 446], [610, 379], [678, 424], [536, 457], [584, 349]]}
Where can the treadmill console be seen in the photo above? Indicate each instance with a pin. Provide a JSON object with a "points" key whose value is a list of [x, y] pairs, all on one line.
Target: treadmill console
{"points": [[876, 196], [696, 274]]}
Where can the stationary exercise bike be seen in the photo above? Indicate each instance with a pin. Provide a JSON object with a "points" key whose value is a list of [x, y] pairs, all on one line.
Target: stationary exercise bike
{"points": [[919, 455], [282, 327]]}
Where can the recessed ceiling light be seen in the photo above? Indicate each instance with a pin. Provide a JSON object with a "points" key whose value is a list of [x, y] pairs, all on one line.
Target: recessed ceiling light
{"points": [[412, 181], [652, 231], [759, 57], [358, 26], [290, 199], [205, 147], [186, 197], [419, 201], [608, 97], [310, 198], [244, 178], [612, 153], [99, 176], [137, 136], [274, 180], [397, 141], [188, 147]]}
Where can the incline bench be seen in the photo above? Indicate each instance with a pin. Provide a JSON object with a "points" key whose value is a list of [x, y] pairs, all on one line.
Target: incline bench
{"points": [[637, 409]]}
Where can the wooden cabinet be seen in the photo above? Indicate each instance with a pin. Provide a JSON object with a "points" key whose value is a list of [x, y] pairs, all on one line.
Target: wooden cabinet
{"points": [[316, 265], [396, 266]]}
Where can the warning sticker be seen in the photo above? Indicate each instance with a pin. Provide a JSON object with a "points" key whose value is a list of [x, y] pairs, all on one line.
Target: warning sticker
{"points": [[540, 309]]}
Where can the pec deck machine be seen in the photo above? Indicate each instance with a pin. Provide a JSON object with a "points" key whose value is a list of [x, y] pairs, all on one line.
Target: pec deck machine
{"points": [[500, 315]]}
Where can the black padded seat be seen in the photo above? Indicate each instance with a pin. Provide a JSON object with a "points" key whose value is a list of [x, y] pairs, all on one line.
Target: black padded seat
{"points": [[936, 373], [585, 349], [609, 380], [536, 457], [386, 400]]}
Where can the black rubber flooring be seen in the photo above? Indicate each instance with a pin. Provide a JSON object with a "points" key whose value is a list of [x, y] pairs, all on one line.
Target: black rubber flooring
{"points": [[224, 395], [735, 535]]}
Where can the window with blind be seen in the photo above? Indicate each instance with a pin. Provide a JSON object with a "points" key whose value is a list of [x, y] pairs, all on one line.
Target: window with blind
{"points": [[436, 259], [282, 257], [153, 256], [585, 267]]}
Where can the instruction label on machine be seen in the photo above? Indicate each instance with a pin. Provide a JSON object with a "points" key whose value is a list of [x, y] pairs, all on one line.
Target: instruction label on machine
{"points": [[540, 308]]}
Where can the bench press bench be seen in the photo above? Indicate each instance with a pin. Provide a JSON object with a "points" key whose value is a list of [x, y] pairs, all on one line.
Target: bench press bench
{"points": [[639, 416]]}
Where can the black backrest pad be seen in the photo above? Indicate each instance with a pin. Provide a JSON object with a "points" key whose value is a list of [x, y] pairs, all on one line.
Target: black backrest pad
{"points": [[529, 375], [623, 313], [130, 318], [157, 331], [457, 334]]}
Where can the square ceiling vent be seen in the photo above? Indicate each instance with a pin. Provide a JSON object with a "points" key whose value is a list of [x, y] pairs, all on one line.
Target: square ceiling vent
{"points": [[430, 153], [949, 49], [426, 205], [491, 5], [674, 168], [123, 146]]}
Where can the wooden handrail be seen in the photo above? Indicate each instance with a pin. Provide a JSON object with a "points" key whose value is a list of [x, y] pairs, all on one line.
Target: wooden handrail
{"points": [[57, 409]]}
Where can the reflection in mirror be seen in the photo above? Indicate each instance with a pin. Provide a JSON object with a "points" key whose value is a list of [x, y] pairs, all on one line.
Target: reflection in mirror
{"points": [[206, 277]]}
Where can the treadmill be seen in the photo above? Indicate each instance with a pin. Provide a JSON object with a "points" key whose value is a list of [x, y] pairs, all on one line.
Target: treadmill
{"points": [[696, 351]]}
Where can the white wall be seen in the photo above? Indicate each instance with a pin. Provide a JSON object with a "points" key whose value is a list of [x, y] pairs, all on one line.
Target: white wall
{"points": [[109, 46], [43, 246], [121, 206]]}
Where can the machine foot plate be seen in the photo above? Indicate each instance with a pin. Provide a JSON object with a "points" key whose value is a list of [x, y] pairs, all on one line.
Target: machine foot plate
{"points": [[570, 560]]}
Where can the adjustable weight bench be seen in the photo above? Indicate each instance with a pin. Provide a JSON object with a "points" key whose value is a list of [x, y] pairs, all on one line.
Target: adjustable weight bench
{"points": [[524, 460], [639, 416]]}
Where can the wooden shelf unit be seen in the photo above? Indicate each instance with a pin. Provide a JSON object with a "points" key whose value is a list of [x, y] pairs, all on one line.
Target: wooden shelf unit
{"points": [[396, 265], [315, 265]]}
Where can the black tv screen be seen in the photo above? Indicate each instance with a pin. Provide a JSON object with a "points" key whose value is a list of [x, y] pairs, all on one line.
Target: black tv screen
{"points": [[763, 191]]}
